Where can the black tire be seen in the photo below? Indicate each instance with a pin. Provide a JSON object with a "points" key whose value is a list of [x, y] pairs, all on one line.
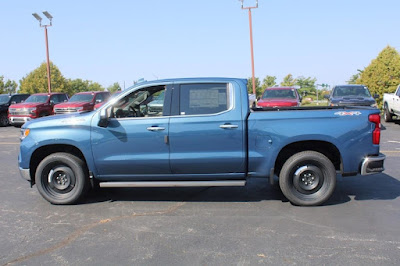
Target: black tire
{"points": [[3, 120], [387, 116], [307, 178], [62, 178]]}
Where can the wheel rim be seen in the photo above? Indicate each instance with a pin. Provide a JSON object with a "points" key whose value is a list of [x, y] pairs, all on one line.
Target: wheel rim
{"points": [[59, 181], [307, 178], [3, 120]]}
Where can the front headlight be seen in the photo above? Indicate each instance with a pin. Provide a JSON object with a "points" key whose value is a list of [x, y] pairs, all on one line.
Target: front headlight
{"points": [[79, 109], [24, 133], [31, 110], [374, 105]]}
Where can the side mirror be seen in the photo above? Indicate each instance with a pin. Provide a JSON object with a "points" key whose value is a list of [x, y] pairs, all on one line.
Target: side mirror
{"points": [[14, 102], [326, 96], [104, 117], [98, 101], [51, 102], [376, 96]]}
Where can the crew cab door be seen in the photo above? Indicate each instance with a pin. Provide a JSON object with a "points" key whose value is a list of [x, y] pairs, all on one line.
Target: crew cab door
{"points": [[133, 144], [206, 134]]}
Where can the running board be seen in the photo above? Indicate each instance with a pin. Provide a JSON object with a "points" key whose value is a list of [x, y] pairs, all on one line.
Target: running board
{"points": [[227, 183]]}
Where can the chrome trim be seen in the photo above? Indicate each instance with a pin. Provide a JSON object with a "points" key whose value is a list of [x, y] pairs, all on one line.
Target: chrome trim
{"points": [[156, 128], [25, 173], [368, 160], [228, 126], [175, 184]]}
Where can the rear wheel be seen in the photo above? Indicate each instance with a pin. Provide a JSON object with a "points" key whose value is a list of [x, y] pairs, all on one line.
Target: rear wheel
{"points": [[62, 178], [387, 116], [3, 120], [307, 178]]}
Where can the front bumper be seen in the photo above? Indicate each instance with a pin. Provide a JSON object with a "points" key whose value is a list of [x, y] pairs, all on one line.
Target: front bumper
{"points": [[25, 174], [19, 120], [373, 164]]}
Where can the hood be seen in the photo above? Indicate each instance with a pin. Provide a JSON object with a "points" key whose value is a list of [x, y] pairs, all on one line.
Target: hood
{"points": [[72, 119], [72, 104], [277, 102], [26, 105]]}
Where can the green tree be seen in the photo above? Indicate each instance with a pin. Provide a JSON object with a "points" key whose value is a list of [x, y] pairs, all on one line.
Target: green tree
{"points": [[95, 86], [269, 81], [288, 81], [353, 79], [382, 75], [113, 88], [36, 81], [259, 90], [77, 85], [306, 84], [9, 86]]}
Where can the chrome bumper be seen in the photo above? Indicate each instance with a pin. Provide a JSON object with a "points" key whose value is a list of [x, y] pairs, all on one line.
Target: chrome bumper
{"points": [[25, 174], [373, 164]]}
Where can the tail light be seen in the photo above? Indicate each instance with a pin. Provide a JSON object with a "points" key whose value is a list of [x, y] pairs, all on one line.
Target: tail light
{"points": [[376, 134]]}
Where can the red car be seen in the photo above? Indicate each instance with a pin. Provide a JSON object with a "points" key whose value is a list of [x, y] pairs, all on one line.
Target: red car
{"points": [[36, 105], [98, 105], [82, 101], [279, 97]]}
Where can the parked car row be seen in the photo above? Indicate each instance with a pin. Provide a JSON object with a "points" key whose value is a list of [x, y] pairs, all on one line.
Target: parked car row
{"points": [[17, 109], [342, 95]]}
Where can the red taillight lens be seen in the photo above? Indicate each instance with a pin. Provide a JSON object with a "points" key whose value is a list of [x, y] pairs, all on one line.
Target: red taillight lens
{"points": [[376, 134]]}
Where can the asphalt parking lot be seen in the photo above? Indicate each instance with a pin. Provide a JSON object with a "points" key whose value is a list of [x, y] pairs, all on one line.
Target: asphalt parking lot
{"points": [[249, 225]]}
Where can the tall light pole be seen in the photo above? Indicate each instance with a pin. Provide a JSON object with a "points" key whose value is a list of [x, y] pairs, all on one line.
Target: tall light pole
{"points": [[47, 14], [251, 44]]}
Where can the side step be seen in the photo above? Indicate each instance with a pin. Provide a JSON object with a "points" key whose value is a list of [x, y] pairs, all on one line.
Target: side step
{"points": [[226, 183]]}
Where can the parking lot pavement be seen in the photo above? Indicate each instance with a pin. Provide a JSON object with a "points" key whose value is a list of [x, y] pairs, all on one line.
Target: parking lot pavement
{"points": [[202, 226]]}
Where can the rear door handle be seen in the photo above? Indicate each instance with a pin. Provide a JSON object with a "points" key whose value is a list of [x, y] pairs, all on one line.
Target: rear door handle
{"points": [[228, 126], [155, 128]]}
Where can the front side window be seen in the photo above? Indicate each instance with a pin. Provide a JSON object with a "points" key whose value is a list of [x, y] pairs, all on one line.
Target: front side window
{"points": [[4, 98], [147, 102], [197, 99]]}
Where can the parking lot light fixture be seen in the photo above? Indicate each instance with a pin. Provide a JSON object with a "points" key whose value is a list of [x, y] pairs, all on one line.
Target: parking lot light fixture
{"points": [[251, 43], [39, 18]]}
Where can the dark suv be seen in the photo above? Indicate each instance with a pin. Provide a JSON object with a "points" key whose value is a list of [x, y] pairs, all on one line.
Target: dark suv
{"points": [[5, 101], [351, 95]]}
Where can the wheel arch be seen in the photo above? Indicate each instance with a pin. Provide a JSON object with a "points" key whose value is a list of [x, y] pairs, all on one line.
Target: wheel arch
{"points": [[326, 148], [44, 151]]}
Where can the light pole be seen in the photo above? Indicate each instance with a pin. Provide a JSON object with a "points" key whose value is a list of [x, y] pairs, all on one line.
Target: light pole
{"points": [[47, 14], [251, 45]]}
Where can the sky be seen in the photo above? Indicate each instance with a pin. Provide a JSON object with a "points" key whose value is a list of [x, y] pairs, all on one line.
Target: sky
{"points": [[123, 41]]}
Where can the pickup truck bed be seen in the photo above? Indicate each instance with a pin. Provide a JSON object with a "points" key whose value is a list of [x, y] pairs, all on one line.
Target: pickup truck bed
{"points": [[201, 134]]}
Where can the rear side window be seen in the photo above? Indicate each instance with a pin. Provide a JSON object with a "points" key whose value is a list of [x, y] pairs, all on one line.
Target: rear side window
{"points": [[197, 99]]}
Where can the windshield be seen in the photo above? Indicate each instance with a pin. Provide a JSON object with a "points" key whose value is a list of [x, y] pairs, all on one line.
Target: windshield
{"points": [[37, 99], [4, 98], [351, 91], [287, 94], [81, 98]]}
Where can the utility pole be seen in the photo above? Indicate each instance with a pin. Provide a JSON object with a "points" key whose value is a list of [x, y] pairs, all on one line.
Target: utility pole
{"points": [[47, 14], [251, 44]]}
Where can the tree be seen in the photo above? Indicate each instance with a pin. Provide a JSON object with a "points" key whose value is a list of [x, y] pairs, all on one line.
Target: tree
{"points": [[353, 79], [259, 90], [382, 75], [77, 85], [269, 81], [94, 86], [36, 81], [288, 81], [113, 88], [9, 86], [306, 84]]}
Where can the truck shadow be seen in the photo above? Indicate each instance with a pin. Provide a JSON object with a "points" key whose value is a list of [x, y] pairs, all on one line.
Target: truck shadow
{"points": [[374, 187]]}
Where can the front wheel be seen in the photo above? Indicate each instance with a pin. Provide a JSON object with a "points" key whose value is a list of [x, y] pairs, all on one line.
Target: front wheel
{"points": [[3, 120], [307, 178], [61, 178]]}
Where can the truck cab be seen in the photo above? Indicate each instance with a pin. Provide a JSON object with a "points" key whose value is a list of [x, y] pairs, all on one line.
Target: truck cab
{"points": [[35, 106]]}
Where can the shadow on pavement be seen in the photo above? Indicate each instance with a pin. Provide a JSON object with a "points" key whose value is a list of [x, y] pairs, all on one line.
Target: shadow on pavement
{"points": [[374, 187]]}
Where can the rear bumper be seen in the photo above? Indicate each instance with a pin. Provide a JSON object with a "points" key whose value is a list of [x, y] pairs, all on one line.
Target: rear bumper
{"points": [[373, 164]]}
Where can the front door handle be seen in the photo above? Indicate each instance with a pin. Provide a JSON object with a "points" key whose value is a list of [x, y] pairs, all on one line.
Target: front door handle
{"points": [[155, 128], [228, 126]]}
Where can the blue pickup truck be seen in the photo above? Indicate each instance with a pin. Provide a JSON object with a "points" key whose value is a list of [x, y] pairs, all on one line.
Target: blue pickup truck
{"points": [[198, 132]]}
